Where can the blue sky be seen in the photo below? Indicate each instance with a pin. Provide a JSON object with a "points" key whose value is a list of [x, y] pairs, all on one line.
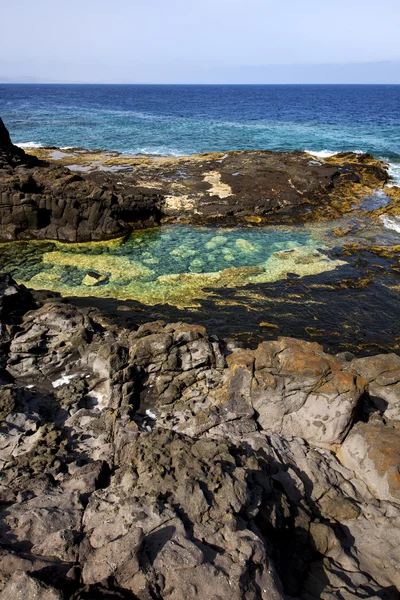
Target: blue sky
{"points": [[207, 41]]}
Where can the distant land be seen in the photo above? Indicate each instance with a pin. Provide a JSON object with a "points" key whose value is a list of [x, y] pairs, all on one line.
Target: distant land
{"points": [[384, 72]]}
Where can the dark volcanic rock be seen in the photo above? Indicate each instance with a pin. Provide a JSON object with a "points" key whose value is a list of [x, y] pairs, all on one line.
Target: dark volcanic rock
{"points": [[5, 141], [15, 301], [43, 200], [153, 463], [11, 155]]}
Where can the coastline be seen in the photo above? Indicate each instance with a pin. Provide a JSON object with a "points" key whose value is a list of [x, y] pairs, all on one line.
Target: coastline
{"points": [[244, 438], [341, 202]]}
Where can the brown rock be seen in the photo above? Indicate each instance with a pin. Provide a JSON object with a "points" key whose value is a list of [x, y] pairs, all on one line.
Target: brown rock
{"points": [[382, 374], [23, 586], [372, 451]]}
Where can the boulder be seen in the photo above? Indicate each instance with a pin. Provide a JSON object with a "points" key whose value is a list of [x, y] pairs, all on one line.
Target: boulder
{"points": [[372, 451], [297, 390], [382, 374]]}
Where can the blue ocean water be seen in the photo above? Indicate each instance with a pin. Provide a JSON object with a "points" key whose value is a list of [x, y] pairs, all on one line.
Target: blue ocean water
{"points": [[185, 119]]}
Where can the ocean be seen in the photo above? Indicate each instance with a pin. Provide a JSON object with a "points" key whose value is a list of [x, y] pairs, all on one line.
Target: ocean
{"points": [[187, 119]]}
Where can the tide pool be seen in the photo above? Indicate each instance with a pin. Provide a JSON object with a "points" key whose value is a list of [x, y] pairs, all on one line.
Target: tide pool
{"points": [[174, 264]]}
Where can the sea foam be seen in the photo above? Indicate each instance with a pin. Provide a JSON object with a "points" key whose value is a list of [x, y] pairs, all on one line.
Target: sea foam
{"points": [[391, 222], [29, 145], [394, 172], [328, 153]]}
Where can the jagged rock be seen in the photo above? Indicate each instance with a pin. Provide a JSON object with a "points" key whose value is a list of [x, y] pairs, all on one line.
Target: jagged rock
{"points": [[358, 533], [189, 534], [294, 387], [9, 153], [5, 140], [158, 464], [15, 300]]}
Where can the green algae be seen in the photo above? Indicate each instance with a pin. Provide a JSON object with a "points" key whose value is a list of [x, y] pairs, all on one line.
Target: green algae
{"points": [[174, 264]]}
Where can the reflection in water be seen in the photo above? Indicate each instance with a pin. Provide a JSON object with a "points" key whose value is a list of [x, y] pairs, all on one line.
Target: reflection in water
{"points": [[170, 264]]}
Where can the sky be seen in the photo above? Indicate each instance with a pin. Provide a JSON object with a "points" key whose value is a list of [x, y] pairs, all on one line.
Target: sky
{"points": [[207, 41]]}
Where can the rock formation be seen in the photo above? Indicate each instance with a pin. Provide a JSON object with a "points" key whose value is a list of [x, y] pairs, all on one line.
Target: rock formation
{"points": [[159, 462], [43, 200]]}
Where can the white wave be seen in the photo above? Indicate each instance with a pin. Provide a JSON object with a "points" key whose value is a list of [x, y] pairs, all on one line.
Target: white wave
{"points": [[392, 223], [29, 145], [328, 153], [394, 172], [157, 151]]}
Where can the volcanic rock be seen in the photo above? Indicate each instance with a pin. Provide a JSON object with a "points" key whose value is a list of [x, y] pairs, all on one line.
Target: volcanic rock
{"points": [[382, 373], [372, 451], [43, 200], [159, 462]]}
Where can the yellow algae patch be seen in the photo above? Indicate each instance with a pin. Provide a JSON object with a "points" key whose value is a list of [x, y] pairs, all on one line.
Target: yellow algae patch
{"points": [[269, 325], [116, 266], [81, 247], [253, 219], [223, 190], [179, 203], [300, 261], [118, 277], [47, 279]]}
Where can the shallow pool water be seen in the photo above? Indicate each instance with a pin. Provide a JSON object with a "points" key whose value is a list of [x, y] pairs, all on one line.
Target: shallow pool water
{"points": [[169, 264]]}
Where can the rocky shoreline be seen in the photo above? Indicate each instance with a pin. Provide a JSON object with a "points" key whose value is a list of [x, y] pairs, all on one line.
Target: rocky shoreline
{"points": [[41, 199], [158, 461], [161, 462]]}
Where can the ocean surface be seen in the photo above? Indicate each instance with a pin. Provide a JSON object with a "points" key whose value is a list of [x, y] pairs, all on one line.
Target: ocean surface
{"points": [[186, 119]]}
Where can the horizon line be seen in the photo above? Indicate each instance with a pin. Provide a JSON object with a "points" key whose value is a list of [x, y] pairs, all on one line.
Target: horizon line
{"points": [[189, 84]]}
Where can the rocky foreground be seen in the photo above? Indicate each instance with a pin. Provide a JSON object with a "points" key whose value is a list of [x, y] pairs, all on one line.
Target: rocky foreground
{"points": [[163, 463], [42, 199]]}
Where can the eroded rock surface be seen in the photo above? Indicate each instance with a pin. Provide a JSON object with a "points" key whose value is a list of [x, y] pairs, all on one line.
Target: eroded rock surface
{"points": [[382, 375], [372, 451], [160, 462]]}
